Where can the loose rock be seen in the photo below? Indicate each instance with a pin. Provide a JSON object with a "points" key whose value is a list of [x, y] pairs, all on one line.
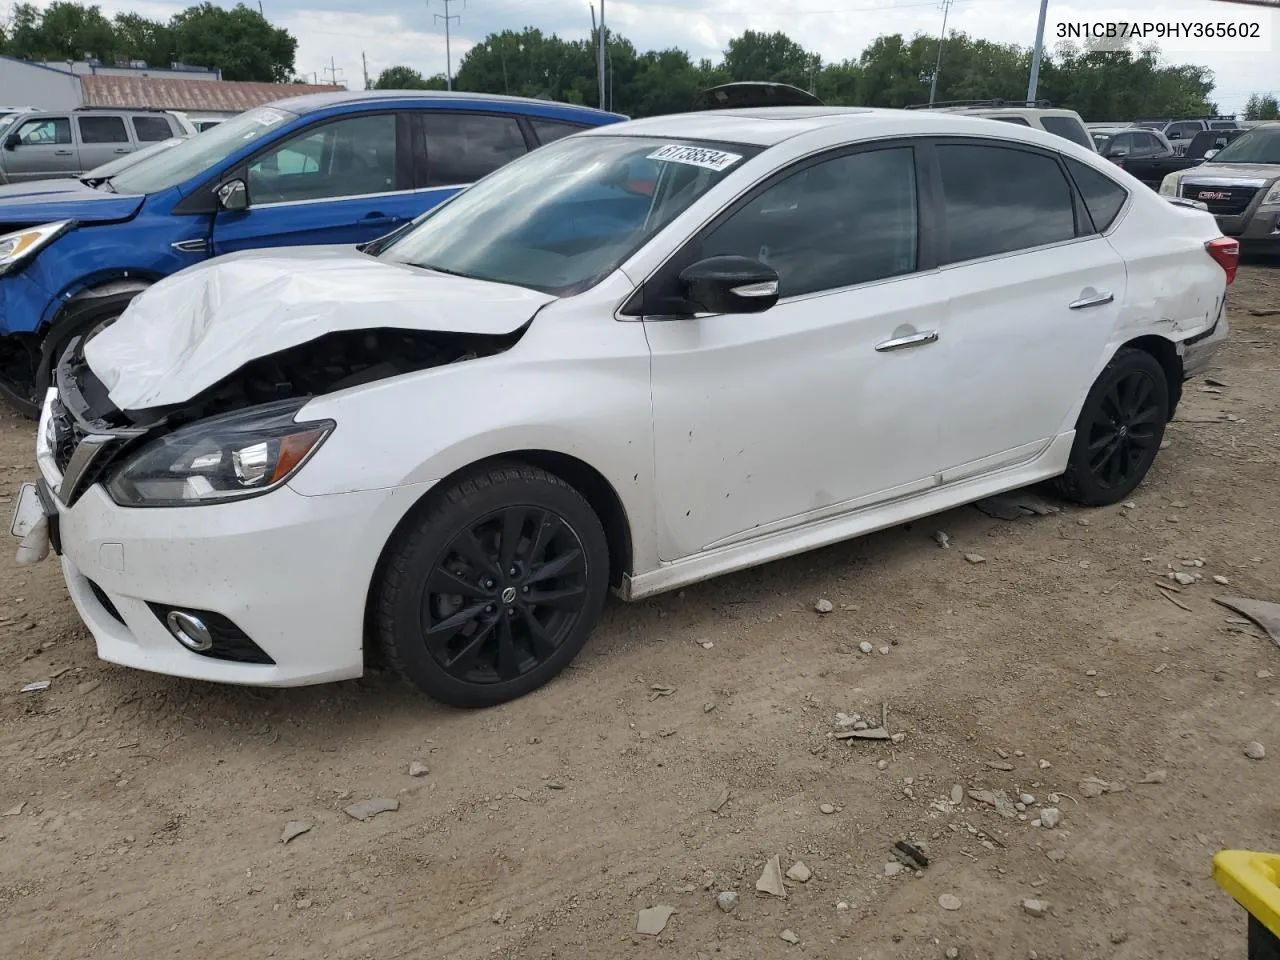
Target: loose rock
{"points": [[1254, 750], [842, 906], [294, 828], [949, 901], [37, 686], [418, 769], [1050, 817], [799, 872], [942, 540], [1035, 908], [368, 809], [1220, 579], [1264, 674], [975, 558], [952, 953], [653, 920], [1026, 798], [789, 937], [15, 811], [893, 868], [770, 881], [727, 901], [827, 808], [1155, 776], [898, 737], [824, 606], [1186, 579], [1045, 764], [957, 794], [865, 646]]}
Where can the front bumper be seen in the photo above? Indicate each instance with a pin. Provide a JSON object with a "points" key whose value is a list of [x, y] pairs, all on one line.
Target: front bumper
{"points": [[292, 572]]}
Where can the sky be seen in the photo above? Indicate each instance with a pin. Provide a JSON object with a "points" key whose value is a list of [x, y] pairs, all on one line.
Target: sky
{"points": [[333, 34]]}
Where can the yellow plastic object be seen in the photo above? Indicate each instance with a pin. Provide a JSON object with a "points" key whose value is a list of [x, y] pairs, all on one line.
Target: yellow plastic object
{"points": [[1253, 879]]}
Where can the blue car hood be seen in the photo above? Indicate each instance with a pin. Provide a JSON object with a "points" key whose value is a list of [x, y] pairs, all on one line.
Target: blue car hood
{"points": [[84, 205]]}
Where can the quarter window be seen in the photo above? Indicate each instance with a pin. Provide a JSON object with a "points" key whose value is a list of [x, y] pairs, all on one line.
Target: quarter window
{"points": [[550, 130], [1103, 197], [344, 158], [103, 130], [1067, 128], [998, 200], [463, 147], [843, 221], [1014, 119], [151, 129], [44, 132]]}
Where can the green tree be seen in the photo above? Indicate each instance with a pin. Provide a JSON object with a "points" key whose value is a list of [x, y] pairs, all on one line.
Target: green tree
{"points": [[138, 38], [400, 78], [239, 41], [1262, 106], [769, 56]]}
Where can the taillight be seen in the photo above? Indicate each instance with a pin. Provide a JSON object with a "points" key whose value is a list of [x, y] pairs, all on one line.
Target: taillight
{"points": [[1227, 252]]}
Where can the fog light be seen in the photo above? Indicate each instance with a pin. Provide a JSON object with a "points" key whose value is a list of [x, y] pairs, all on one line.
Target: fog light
{"points": [[189, 630]]}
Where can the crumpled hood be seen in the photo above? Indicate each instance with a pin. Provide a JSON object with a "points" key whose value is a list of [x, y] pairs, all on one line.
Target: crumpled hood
{"points": [[186, 333], [74, 188], [84, 205], [1240, 171]]}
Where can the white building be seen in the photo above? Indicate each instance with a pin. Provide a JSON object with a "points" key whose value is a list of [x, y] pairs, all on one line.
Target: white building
{"points": [[26, 84]]}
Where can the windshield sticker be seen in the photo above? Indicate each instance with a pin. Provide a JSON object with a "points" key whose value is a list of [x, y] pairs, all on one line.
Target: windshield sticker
{"points": [[268, 117], [695, 156]]}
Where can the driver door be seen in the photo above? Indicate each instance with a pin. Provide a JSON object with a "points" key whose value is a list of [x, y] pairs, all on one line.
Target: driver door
{"points": [[44, 150], [344, 181], [826, 403]]}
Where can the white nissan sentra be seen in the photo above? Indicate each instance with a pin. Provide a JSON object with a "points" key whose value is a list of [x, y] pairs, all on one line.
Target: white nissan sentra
{"points": [[639, 357]]}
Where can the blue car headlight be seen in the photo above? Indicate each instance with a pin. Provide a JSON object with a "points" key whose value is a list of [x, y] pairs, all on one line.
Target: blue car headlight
{"points": [[22, 245]]}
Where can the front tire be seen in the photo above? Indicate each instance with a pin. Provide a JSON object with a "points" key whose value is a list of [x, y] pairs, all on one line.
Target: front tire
{"points": [[492, 589], [1119, 430]]}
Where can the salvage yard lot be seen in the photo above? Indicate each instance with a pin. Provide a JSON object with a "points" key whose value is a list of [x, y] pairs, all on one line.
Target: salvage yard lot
{"points": [[145, 813]]}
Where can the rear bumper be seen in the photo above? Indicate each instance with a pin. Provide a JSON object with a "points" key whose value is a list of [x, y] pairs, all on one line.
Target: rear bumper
{"points": [[1260, 225], [1198, 352]]}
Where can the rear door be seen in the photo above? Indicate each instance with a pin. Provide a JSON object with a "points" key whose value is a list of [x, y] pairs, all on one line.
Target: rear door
{"points": [[345, 180], [458, 148], [44, 149], [1034, 295], [102, 138]]}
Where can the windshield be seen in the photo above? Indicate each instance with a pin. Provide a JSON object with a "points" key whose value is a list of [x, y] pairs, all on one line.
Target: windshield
{"points": [[109, 170], [196, 155], [567, 215], [1256, 146]]}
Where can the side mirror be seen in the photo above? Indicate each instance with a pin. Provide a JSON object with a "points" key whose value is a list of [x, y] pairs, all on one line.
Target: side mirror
{"points": [[730, 285], [1173, 136], [1210, 154], [11, 141], [233, 196]]}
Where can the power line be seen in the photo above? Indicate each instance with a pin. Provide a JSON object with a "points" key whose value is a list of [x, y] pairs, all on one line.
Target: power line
{"points": [[333, 70], [448, 56]]}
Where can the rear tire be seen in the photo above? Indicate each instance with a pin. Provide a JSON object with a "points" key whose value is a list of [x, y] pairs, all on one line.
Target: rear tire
{"points": [[1119, 430], [493, 588]]}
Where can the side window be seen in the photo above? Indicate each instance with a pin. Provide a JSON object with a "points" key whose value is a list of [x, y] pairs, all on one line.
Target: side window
{"points": [[1123, 141], [1067, 128], [1103, 197], [551, 130], [46, 131], [344, 158], [999, 200], [151, 129], [1012, 118], [102, 130], [847, 220], [463, 147]]}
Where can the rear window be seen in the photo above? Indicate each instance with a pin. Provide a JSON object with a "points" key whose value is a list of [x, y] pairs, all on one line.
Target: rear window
{"points": [[1068, 128], [151, 129], [1103, 197]]}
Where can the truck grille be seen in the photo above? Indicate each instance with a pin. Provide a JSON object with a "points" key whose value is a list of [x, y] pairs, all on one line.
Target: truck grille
{"points": [[1223, 201]]}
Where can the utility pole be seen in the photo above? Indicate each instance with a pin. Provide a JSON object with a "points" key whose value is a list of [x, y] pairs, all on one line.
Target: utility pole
{"points": [[603, 54], [448, 56], [364, 68], [599, 68], [333, 70], [1033, 85], [937, 65]]}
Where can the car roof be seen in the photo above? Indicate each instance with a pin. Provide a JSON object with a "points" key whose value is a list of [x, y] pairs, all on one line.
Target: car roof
{"points": [[311, 102], [767, 126]]}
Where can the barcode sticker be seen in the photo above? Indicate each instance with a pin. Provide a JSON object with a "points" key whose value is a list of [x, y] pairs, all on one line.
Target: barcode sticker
{"points": [[696, 156]]}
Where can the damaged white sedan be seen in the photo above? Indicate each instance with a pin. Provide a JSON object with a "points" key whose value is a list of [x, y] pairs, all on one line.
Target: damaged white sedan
{"points": [[641, 357]]}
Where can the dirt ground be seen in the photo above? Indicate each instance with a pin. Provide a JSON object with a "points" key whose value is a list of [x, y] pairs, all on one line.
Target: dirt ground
{"points": [[150, 809]]}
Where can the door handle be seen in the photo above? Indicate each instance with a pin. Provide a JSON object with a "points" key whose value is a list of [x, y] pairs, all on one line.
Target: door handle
{"points": [[123, 150], [377, 219], [911, 340], [62, 153], [1097, 300]]}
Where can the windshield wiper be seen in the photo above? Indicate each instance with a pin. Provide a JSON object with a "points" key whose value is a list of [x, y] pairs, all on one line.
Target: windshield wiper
{"points": [[434, 269]]}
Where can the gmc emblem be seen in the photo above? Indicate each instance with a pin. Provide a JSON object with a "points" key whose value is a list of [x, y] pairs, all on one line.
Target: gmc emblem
{"points": [[1213, 195]]}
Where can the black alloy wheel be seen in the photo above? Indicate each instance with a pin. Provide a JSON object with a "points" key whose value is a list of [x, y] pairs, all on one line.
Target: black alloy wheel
{"points": [[1119, 431], [492, 587], [504, 594]]}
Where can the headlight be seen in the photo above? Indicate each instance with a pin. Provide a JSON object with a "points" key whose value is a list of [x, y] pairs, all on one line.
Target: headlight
{"points": [[20, 246], [1273, 195], [1169, 185], [223, 458]]}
